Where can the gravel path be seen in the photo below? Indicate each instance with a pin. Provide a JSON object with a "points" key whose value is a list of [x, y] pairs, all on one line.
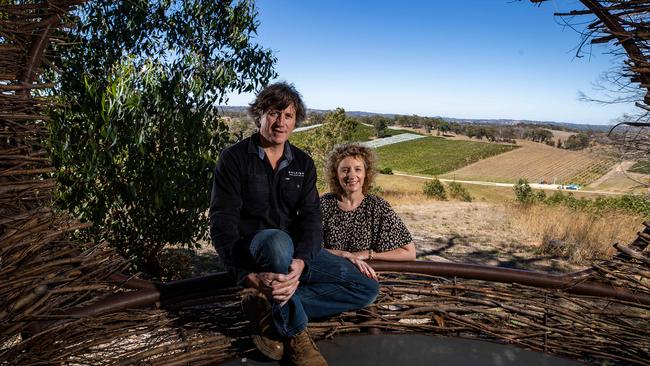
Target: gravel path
{"points": [[552, 187]]}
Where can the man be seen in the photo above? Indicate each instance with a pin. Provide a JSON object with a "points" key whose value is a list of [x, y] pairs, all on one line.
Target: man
{"points": [[265, 222]]}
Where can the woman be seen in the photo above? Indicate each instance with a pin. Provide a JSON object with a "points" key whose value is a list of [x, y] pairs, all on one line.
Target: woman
{"points": [[357, 225]]}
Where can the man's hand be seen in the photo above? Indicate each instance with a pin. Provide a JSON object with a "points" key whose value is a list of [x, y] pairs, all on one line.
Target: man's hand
{"points": [[284, 289], [296, 267], [276, 286], [263, 282]]}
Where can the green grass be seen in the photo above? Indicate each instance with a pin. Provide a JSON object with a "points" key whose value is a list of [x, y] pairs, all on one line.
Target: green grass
{"points": [[642, 167], [435, 155]]}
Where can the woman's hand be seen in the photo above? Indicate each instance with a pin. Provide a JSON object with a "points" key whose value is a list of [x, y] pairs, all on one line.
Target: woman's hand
{"points": [[363, 255], [364, 268], [357, 260]]}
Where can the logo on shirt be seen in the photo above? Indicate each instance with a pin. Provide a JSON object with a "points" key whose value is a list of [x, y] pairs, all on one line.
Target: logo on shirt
{"points": [[295, 174]]}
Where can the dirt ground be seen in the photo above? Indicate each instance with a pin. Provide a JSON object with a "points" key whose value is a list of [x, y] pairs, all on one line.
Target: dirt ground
{"points": [[619, 179], [476, 233], [451, 231]]}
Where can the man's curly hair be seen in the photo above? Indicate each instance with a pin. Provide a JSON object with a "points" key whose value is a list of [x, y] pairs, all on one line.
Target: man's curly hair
{"points": [[277, 96], [341, 152]]}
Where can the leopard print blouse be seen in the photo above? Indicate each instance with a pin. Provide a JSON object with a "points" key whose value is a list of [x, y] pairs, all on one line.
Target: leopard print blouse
{"points": [[373, 225]]}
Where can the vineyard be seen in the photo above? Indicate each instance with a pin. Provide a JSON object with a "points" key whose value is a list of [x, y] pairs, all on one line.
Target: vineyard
{"points": [[465, 159], [435, 155], [592, 172], [536, 163]]}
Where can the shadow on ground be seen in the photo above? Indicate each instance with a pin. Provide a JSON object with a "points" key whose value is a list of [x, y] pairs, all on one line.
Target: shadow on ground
{"points": [[463, 249]]}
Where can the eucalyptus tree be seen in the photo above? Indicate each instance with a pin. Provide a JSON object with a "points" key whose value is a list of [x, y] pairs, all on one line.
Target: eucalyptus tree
{"points": [[138, 133]]}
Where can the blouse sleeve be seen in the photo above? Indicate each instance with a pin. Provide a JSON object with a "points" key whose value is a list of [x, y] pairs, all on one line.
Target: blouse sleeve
{"points": [[326, 206], [392, 233]]}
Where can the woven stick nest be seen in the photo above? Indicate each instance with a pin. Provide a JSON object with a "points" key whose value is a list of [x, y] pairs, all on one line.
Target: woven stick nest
{"points": [[44, 277]]}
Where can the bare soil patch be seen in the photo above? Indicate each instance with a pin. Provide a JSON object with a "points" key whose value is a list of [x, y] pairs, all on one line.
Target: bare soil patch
{"points": [[476, 233]]}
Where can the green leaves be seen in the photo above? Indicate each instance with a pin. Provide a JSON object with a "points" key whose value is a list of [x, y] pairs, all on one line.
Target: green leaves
{"points": [[135, 157], [337, 128], [139, 135], [136, 142], [434, 189]]}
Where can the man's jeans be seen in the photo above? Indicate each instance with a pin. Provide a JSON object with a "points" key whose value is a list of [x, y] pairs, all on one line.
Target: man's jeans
{"points": [[329, 286]]}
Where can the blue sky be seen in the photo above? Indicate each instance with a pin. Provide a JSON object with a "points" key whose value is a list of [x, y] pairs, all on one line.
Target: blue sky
{"points": [[462, 59]]}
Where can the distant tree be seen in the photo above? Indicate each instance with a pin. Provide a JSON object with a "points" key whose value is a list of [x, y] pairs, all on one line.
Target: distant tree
{"points": [[402, 120], [428, 124], [442, 125], [507, 133], [314, 118], [415, 121], [473, 131], [578, 141], [434, 189], [540, 135], [241, 128], [380, 126], [490, 133], [524, 194], [456, 128], [545, 136]]}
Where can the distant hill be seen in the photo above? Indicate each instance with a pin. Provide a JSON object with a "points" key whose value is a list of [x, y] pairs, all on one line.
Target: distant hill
{"points": [[573, 126]]}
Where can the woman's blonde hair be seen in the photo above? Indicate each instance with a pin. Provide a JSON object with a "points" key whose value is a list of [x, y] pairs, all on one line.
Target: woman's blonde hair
{"points": [[341, 152]]}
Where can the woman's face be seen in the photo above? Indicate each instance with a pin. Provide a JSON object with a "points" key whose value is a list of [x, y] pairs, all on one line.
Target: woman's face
{"points": [[351, 174]]}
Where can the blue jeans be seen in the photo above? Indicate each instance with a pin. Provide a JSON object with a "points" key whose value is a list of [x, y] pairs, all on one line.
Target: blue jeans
{"points": [[330, 284]]}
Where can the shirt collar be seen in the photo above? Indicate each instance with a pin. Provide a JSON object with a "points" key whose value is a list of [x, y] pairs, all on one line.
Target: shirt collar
{"points": [[254, 147]]}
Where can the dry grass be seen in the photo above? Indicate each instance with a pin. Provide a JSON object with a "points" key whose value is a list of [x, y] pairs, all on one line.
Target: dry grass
{"points": [[399, 189], [400, 183], [635, 183], [404, 198], [493, 230], [579, 237]]}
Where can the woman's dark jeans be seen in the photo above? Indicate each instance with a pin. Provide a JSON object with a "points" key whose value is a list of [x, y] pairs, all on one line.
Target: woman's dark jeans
{"points": [[330, 284]]}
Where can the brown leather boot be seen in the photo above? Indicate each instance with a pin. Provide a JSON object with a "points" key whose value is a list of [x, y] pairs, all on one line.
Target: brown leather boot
{"points": [[301, 351], [257, 309]]}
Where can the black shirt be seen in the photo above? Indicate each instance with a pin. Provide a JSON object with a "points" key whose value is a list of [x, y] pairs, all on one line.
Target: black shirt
{"points": [[249, 196]]}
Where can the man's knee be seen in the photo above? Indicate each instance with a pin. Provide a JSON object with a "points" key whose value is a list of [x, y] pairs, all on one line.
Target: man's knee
{"points": [[272, 250], [368, 291]]}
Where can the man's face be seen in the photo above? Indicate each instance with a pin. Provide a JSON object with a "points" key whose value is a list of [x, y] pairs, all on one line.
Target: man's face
{"points": [[277, 125]]}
